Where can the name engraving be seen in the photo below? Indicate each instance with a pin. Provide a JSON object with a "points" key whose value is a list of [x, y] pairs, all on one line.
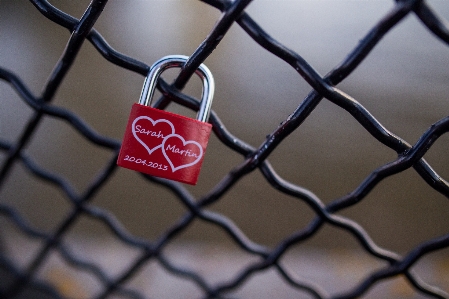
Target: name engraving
{"points": [[176, 150], [141, 130]]}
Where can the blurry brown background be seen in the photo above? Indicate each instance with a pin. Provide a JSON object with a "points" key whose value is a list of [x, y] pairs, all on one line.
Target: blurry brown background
{"points": [[404, 83]]}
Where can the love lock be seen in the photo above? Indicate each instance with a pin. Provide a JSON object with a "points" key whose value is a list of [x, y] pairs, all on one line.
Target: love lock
{"points": [[165, 144]]}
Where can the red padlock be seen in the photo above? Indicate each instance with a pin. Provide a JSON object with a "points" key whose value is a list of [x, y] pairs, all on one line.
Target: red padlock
{"points": [[162, 143]]}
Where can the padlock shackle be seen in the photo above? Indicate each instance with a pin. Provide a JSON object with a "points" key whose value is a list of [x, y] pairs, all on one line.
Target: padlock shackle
{"points": [[178, 61]]}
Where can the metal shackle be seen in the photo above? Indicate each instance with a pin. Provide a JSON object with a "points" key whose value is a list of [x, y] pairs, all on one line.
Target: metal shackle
{"points": [[178, 61]]}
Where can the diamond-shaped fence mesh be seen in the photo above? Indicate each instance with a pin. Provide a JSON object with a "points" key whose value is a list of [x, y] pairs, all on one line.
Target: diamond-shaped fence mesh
{"points": [[61, 188]]}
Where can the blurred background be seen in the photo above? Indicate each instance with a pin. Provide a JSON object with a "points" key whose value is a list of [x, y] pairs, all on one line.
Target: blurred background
{"points": [[404, 83]]}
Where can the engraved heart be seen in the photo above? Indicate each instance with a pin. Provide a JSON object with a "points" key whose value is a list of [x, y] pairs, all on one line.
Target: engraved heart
{"points": [[150, 133], [181, 153]]}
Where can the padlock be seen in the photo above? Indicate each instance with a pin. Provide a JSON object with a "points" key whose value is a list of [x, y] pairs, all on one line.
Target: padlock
{"points": [[165, 144]]}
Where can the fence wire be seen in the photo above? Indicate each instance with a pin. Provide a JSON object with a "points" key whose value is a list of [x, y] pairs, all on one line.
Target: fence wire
{"points": [[24, 278]]}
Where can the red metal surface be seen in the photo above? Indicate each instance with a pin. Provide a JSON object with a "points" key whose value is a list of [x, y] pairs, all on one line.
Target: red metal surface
{"points": [[164, 144]]}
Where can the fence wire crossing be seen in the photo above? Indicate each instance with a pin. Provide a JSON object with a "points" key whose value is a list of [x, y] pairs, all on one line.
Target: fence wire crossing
{"points": [[408, 156]]}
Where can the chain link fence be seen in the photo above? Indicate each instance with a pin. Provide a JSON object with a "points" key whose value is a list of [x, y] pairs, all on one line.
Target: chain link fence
{"points": [[23, 279]]}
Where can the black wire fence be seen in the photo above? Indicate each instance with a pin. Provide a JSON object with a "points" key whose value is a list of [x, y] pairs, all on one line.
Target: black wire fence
{"points": [[21, 281]]}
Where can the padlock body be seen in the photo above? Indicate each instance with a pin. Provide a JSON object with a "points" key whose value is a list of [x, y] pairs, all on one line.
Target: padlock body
{"points": [[164, 144]]}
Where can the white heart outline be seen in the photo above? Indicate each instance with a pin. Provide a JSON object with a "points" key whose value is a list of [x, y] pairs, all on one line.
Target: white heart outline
{"points": [[133, 129], [184, 143]]}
